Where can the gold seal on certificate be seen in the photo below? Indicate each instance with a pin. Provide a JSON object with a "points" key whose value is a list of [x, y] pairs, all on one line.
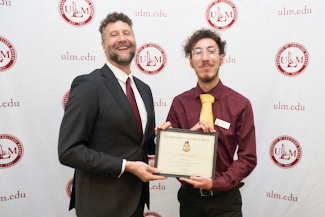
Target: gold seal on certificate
{"points": [[185, 153]]}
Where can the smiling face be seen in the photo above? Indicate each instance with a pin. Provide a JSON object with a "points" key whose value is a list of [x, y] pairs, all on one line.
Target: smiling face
{"points": [[207, 64], [119, 44]]}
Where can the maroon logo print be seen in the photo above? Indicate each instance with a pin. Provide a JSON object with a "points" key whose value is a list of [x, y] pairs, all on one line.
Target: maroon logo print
{"points": [[151, 58], [65, 99], [292, 59], [221, 14], [229, 59], [186, 147], [8, 54], [159, 103], [157, 187], [69, 187], [151, 214], [285, 152], [11, 151], [5, 2], [152, 159], [77, 12]]}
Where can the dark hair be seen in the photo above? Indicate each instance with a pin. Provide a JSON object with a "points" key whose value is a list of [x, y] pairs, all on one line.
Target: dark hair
{"points": [[112, 18], [200, 34]]}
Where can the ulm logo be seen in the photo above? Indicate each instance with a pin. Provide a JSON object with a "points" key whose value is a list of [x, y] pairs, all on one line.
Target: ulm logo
{"points": [[151, 214], [69, 187], [221, 14], [8, 54], [285, 152], [292, 59], [65, 98], [151, 58], [11, 151], [77, 12]]}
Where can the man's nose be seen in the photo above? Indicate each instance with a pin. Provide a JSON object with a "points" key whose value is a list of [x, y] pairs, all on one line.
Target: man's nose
{"points": [[205, 56], [121, 37]]}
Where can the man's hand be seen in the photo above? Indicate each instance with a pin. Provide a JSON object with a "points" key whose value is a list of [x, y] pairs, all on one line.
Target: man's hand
{"points": [[199, 182], [163, 126], [204, 126], [143, 171]]}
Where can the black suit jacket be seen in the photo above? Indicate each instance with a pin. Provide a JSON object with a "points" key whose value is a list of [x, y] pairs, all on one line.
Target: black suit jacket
{"points": [[98, 131]]}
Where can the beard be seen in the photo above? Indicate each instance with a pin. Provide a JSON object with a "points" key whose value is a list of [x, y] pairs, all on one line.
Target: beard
{"points": [[110, 54], [208, 79]]}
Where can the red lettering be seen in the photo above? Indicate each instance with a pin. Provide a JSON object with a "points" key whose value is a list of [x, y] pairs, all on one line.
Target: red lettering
{"points": [[4, 55], [13, 152], [84, 11]]}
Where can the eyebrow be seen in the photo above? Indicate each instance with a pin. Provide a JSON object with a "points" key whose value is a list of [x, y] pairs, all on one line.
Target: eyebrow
{"points": [[123, 31], [207, 47]]}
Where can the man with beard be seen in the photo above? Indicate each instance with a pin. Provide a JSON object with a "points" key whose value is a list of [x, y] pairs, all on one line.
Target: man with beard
{"points": [[231, 116], [107, 131]]}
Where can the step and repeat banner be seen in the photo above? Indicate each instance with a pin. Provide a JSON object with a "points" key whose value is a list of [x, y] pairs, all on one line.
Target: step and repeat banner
{"points": [[274, 57]]}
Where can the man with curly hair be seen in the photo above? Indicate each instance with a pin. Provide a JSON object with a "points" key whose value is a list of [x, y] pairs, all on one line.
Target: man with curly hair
{"points": [[107, 131], [231, 116]]}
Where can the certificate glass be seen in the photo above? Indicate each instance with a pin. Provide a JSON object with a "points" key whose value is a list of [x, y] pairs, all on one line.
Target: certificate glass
{"points": [[185, 153]]}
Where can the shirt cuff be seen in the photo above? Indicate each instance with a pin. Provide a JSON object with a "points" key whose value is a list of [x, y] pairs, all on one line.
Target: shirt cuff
{"points": [[123, 168]]}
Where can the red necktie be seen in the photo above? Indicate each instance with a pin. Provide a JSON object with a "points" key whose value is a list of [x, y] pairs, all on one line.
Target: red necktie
{"points": [[131, 98]]}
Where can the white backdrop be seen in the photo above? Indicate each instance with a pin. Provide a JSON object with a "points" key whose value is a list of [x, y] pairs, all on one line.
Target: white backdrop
{"points": [[289, 110]]}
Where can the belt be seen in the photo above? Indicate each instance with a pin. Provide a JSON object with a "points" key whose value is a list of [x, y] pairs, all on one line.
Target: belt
{"points": [[207, 193]]}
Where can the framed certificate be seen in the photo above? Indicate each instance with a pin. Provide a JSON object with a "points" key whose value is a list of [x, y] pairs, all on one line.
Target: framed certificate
{"points": [[185, 153]]}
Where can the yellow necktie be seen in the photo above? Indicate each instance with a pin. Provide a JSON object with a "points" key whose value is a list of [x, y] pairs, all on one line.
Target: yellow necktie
{"points": [[206, 112]]}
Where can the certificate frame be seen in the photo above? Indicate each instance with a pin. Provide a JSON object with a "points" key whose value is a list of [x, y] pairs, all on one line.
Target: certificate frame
{"points": [[185, 153]]}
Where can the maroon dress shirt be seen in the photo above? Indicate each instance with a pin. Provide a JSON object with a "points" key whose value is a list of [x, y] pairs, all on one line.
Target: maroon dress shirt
{"points": [[233, 108]]}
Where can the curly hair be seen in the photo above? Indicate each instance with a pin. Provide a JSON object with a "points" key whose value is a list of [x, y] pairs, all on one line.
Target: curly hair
{"points": [[200, 34], [112, 18]]}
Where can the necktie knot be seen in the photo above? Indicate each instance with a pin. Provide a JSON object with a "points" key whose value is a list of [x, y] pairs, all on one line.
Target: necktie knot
{"points": [[206, 98]]}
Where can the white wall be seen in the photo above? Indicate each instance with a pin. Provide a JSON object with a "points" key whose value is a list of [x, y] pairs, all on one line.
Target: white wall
{"points": [[32, 91]]}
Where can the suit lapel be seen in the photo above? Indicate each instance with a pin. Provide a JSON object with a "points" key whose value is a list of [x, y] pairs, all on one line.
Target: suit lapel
{"points": [[114, 87]]}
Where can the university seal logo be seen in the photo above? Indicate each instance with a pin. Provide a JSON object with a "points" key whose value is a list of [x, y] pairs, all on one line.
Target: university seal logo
{"points": [[221, 14], [11, 151], [151, 214], [8, 54], [69, 187], [151, 58], [292, 59], [285, 152], [65, 99], [151, 158], [77, 12]]}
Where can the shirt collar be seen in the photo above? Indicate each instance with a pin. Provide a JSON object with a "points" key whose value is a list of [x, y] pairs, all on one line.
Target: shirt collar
{"points": [[119, 74], [214, 91]]}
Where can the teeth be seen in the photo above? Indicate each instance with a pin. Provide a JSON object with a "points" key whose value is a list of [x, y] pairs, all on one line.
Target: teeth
{"points": [[120, 48]]}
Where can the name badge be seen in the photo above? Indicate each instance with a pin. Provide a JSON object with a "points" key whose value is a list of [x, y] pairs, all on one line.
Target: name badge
{"points": [[221, 123]]}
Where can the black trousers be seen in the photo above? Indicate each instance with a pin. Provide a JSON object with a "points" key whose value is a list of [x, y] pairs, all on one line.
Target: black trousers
{"points": [[225, 204]]}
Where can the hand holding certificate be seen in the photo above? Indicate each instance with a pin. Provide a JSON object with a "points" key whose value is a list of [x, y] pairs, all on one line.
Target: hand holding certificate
{"points": [[185, 153]]}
